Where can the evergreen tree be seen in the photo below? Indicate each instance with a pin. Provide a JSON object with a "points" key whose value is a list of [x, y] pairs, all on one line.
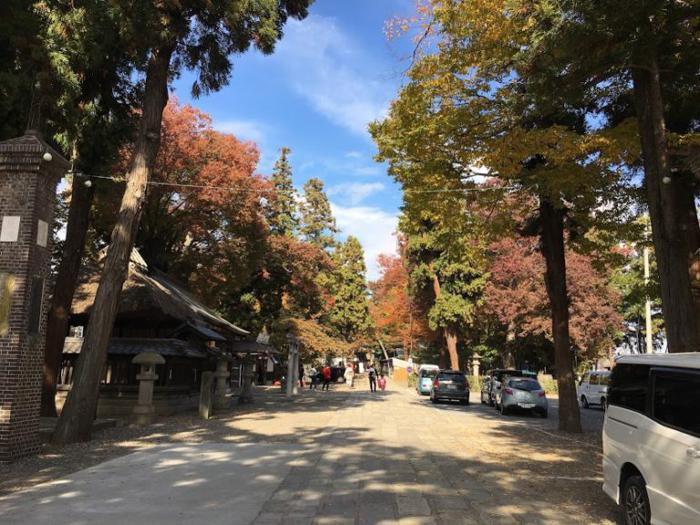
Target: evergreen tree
{"points": [[318, 225], [282, 208], [349, 311], [198, 35], [599, 51]]}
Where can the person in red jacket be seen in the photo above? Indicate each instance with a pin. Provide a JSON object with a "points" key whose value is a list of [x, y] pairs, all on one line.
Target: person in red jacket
{"points": [[326, 372]]}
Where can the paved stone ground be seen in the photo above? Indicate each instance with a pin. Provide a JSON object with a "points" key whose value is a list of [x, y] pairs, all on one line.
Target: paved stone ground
{"points": [[361, 458]]}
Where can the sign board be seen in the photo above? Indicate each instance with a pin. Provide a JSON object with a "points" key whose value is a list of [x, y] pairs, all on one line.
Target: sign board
{"points": [[9, 230]]}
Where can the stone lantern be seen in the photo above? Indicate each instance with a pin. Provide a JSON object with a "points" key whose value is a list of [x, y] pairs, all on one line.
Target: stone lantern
{"points": [[144, 411], [476, 361], [221, 374]]}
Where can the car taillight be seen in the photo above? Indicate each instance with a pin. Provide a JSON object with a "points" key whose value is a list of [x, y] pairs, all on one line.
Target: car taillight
{"points": [[541, 394], [508, 391]]}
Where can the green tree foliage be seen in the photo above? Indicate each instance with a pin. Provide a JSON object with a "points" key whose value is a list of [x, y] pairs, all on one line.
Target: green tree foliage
{"points": [[282, 208], [348, 312], [466, 106], [448, 274], [199, 35], [608, 54], [317, 223]]}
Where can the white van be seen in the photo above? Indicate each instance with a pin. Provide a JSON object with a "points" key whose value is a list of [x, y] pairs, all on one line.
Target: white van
{"points": [[593, 389], [651, 439]]}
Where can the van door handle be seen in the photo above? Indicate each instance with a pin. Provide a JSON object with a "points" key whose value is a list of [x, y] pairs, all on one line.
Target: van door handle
{"points": [[693, 452]]}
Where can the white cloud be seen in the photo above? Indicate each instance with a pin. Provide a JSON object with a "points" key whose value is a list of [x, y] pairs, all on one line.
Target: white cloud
{"points": [[374, 228], [355, 193], [353, 154], [330, 69], [243, 129]]}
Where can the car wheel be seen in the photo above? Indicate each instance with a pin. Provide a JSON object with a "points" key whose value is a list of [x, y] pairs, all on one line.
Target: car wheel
{"points": [[433, 399], [584, 402], [544, 414], [635, 502], [603, 404], [463, 401]]}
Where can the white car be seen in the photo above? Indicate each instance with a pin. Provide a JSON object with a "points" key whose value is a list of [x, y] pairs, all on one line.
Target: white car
{"points": [[651, 439], [593, 389]]}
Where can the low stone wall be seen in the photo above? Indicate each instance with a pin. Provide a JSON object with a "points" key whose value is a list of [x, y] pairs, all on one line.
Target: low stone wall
{"points": [[119, 400]]}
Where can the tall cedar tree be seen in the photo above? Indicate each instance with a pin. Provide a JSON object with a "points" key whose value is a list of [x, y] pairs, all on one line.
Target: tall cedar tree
{"points": [[282, 207], [200, 35], [82, 99], [317, 222], [348, 314], [92, 101], [448, 263], [592, 51]]}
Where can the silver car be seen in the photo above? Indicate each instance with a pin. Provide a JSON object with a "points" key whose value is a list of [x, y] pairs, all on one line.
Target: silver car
{"points": [[522, 393]]}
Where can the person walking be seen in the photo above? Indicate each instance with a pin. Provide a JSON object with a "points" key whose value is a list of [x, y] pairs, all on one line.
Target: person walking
{"points": [[350, 375], [313, 374], [326, 372], [372, 373], [301, 375], [382, 382]]}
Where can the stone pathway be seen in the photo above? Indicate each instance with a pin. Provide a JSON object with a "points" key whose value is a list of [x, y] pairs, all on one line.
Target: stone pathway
{"points": [[338, 458]]}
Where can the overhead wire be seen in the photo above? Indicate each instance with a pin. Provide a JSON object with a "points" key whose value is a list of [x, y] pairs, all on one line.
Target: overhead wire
{"points": [[234, 189]]}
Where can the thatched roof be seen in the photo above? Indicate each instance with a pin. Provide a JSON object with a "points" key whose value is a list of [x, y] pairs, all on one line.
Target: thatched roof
{"points": [[148, 290]]}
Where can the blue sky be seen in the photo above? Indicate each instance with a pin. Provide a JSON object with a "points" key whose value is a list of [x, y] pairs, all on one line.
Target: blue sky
{"points": [[332, 73]]}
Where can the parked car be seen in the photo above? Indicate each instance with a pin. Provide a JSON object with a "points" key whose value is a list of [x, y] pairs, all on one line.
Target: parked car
{"points": [[426, 374], [651, 439], [522, 393], [593, 389], [492, 383], [451, 385]]}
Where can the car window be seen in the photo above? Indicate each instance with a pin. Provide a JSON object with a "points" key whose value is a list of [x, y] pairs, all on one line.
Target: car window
{"points": [[604, 379], [676, 400], [595, 379], [628, 386], [457, 378], [585, 379], [428, 373], [528, 385]]}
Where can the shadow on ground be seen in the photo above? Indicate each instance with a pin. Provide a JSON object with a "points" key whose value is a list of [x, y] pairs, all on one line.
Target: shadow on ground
{"points": [[351, 467]]}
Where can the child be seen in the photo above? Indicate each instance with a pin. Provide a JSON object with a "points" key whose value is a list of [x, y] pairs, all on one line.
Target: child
{"points": [[382, 382]]}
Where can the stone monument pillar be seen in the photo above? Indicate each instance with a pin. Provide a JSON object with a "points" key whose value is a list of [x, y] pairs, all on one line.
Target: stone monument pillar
{"points": [[221, 374], [29, 172], [144, 411], [292, 367], [206, 397], [248, 371]]}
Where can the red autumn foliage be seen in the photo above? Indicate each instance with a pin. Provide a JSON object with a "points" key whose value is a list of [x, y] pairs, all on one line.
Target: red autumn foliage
{"points": [[517, 297], [391, 308]]}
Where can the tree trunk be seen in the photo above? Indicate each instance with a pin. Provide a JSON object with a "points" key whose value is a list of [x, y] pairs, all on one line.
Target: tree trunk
{"points": [[688, 220], [64, 288], [552, 241], [670, 243], [79, 411], [508, 353], [451, 340], [449, 333]]}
